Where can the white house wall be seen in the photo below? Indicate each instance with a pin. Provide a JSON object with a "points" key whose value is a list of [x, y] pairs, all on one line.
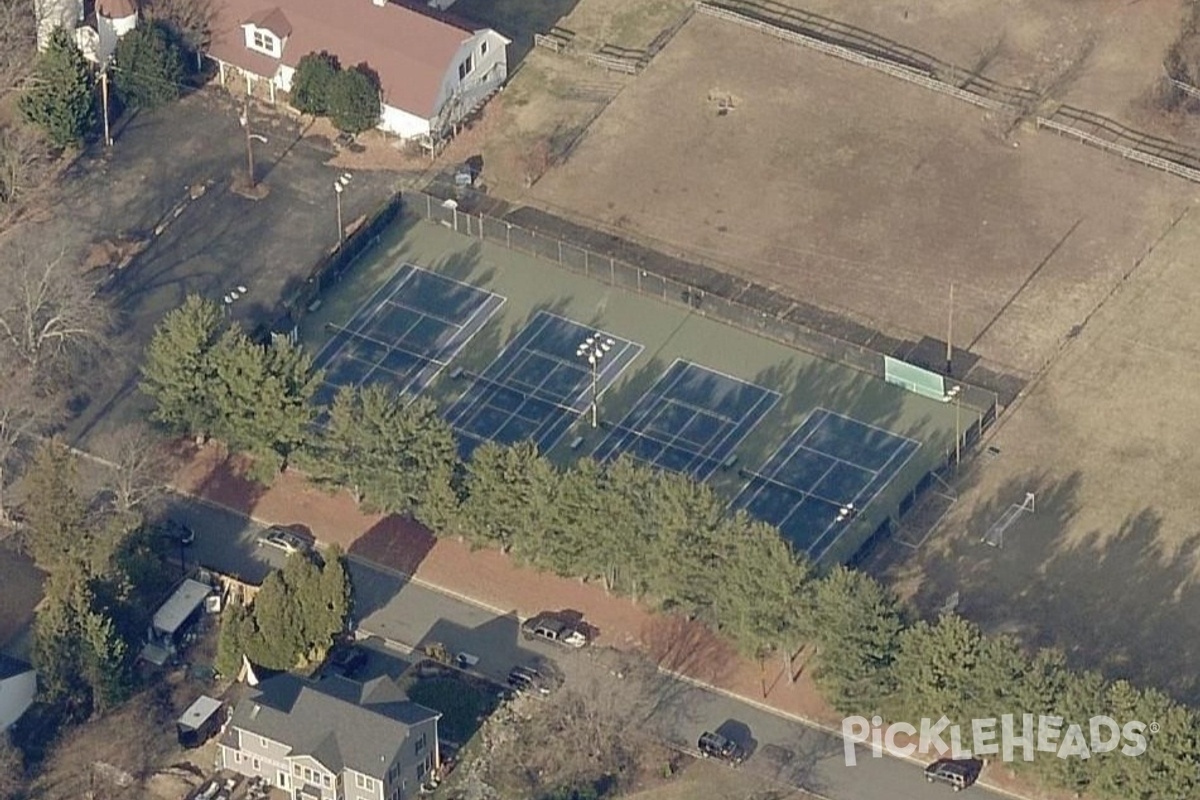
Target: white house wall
{"points": [[401, 123], [16, 695], [490, 70]]}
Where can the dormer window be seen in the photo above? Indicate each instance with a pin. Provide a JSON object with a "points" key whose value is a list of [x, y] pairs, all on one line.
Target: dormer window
{"points": [[264, 41], [464, 69]]}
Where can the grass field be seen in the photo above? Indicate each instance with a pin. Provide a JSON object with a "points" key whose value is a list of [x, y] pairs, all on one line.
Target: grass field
{"points": [[665, 333], [861, 193]]}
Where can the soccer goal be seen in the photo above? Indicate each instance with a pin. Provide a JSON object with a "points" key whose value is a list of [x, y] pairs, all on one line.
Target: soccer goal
{"points": [[995, 534]]}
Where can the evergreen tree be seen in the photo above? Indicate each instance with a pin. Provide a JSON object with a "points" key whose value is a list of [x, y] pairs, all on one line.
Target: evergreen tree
{"points": [[934, 666], [106, 660], [178, 372], [277, 641], [354, 104], [313, 82], [61, 539], [149, 67], [335, 593], [60, 99], [510, 492], [856, 624], [231, 645], [57, 650]]}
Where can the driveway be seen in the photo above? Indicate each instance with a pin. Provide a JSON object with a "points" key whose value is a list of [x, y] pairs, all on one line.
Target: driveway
{"points": [[405, 614]]}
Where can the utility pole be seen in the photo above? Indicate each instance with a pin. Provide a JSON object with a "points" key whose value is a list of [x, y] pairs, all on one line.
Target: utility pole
{"points": [[245, 120], [950, 334], [104, 101]]}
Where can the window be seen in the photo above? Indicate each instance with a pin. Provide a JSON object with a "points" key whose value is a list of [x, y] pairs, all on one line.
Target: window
{"points": [[262, 740], [421, 742], [264, 41], [256, 764], [420, 770], [483, 49], [363, 782], [237, 758], [296, 769], [464, 69], [326, 781]]}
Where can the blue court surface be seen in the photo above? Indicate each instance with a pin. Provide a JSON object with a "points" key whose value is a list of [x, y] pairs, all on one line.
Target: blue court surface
{"points": [[405, 333], [537, 386], [827, 464], [689, 421]]}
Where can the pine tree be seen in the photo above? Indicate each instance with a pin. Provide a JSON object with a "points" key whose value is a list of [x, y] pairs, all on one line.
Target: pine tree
{"points": [[231, 645], [149, 68], [105, 660], [509, 495], [178, 372], [61, 98], [856, 624], [335, 591], [61, 539]]}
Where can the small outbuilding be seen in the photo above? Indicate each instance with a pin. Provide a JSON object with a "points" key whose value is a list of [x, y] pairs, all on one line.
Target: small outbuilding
{"points": [[202, 719]]}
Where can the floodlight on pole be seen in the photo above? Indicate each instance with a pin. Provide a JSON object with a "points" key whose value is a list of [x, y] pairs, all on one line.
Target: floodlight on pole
{"points": [[592, 350], [339, 185]]}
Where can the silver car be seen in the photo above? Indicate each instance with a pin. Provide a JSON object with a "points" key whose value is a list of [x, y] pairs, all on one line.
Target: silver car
{"points": [[283, 540]]}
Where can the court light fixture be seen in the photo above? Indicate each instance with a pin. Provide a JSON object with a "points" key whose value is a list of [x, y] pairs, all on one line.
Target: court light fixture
{"points": [[592, 350]]}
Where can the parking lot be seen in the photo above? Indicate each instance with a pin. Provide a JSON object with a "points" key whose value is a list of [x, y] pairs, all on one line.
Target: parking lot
{"points": [[163, 191]]}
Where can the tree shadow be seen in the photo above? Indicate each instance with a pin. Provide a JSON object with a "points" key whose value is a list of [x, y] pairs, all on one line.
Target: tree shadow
{"points": [[396, 542]]}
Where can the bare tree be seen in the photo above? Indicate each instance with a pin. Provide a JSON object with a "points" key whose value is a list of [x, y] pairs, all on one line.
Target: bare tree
{"points": [[139, 465], [12, 769], [24, 414], [191, 20], [24, 164], [48, 315], [18, 40]]}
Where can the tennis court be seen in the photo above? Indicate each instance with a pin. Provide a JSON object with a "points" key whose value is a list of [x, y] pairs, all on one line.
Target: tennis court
{"points": [[405, 333], [690, 421], [537, 386], [822, 477]]}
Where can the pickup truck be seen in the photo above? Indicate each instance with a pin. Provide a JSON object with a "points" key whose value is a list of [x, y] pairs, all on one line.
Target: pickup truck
{"points": [[551, 629]]}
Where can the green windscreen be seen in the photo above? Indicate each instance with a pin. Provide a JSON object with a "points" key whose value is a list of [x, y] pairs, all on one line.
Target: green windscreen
{"points": [[915, 379]]}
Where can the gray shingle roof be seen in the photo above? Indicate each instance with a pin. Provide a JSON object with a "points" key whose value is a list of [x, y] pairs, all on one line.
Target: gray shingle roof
{"points": [[337, 721]]}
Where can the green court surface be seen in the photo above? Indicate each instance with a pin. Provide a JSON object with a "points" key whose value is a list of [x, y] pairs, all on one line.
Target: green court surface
{"points": [[797, 390]]}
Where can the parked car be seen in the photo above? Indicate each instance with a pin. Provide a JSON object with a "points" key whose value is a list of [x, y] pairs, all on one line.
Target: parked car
{"points": [[283, 540], [549, 628], [714, 745], [527, 680], [177, 532], [957, 774]]}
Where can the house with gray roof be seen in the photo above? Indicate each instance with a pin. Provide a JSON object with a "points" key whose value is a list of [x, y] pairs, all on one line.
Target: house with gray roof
{"points": [[332, 738]]}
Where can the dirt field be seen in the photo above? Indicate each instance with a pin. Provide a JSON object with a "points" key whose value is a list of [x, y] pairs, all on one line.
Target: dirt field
{"points": [[1110, 50], [1106, 567], [862, 193]]}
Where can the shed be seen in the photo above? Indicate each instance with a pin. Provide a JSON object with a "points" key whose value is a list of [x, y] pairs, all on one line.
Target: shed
{"points": [[179, 609], [200, 721]]}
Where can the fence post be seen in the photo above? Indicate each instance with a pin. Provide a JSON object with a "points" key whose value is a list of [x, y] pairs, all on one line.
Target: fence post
{"points": [[639, 279], [612, 272], [508, 235], [428, 207], [560, 252], [586, 265], [533, 241], [481, 233]]}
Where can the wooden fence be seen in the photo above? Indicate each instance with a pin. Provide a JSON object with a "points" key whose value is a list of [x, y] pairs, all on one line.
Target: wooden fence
{"points": [[1085, 126]]}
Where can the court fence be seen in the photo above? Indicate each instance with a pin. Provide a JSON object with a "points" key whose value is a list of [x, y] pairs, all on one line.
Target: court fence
{"points": [[331, 268], [760, 311]]}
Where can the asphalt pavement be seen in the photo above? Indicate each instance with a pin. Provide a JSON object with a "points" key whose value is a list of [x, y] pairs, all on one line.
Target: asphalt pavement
{"points": [[410, 615]]}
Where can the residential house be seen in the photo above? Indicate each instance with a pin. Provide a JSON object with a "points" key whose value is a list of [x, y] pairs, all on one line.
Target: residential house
{"points": [[332, 738], [433, 69], [18, 687], [96, 26]]}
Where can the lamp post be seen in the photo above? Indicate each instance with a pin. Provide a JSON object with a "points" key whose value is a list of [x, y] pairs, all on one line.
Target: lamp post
{"points": [[339, 186], [956, 394], [244, 119], [592, 350], [231, 297]]}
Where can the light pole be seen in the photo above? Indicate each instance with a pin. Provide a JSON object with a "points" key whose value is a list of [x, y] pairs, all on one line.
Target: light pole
{"points": [[231, 297], [592, 350], [956, 394], [339, 186], [250, 137]]}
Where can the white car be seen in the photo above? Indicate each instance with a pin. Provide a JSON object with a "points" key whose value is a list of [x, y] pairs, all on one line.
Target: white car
{"points": [[283, 540]]}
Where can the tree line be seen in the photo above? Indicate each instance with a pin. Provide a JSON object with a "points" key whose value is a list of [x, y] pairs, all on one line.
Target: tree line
{"points": [[660, 538]]}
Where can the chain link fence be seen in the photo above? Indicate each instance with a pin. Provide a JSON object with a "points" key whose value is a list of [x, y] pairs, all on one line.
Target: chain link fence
{"points": [[747, 306]]}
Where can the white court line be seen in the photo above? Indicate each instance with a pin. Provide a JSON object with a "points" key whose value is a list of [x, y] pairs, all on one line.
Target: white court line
{"points": [[893, 434], [363, 309], [450, 349], [620, 437], [768, 394], [478, 403]]}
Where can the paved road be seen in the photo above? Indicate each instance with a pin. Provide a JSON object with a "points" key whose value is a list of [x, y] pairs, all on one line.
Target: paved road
{"points": [[391, 606]]}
